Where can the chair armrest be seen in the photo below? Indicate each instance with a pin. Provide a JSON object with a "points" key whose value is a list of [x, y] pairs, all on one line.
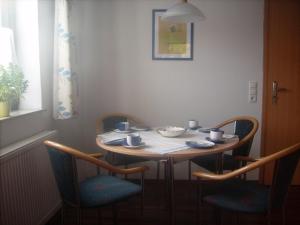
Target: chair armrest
{"points": [[205, 175], [95, 155], [257, 164], [112, 168], [83, 156], [140, 169], [245, 158]]}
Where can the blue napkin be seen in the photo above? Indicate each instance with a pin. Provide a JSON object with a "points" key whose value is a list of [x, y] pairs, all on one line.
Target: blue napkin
{"points": [[115, 142], [194, 144]]}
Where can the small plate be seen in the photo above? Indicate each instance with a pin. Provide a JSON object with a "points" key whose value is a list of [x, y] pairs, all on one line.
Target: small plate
{"points": [[222, 141], [205, 130], [228, 136], [134, 146], [139, 128], [200, 144], [122, 131]]}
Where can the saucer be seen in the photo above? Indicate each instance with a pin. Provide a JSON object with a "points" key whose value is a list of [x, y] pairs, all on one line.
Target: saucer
{"points": [[200, 144], [122, 131], [228, 136], [195, 128], [140, 128], [134, 146], [222, 141], [204, 130]]}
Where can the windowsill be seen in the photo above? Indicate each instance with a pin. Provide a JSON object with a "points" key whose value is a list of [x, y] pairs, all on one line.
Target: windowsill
{"points": [[19, 113]]}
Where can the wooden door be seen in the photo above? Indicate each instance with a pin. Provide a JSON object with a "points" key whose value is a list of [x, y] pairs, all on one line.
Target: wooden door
{"points": [[281, 114]]}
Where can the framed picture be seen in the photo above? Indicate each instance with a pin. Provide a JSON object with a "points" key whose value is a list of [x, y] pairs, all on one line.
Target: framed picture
{"points": [[171, 41]]}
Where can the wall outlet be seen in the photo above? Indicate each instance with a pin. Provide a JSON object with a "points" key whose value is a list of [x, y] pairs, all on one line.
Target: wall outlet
{"points": [[252, 92], [252, 98]]}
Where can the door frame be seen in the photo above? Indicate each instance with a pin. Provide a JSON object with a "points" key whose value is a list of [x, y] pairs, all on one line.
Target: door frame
{"points": [[265, 86]]}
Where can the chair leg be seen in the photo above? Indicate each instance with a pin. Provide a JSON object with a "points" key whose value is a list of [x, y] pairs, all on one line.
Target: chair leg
{"points": [[219, 163], [237, 218], [143, 193], [62, 214], [199, 202], [111, 159], [158, 170], [190, 169], [126, 167], [99, 217], [268, 220], [98, 171], [78, 215], [284, 216], [115, 214], [218, 215]]}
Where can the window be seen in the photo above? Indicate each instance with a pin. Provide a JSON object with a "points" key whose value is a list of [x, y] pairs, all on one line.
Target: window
{"points": [[7, 53], [19, 43]]}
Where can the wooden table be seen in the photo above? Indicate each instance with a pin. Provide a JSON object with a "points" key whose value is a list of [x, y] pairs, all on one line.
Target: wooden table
{"points": [[171, 158]]}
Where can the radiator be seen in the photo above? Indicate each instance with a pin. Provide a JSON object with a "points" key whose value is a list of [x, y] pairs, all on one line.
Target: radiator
{"points": [[28, 192]]}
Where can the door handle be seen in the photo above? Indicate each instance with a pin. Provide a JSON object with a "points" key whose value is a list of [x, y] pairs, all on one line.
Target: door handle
{"points": [[275, 90]]}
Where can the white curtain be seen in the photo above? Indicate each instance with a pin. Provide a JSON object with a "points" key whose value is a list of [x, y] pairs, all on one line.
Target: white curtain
{"points": [[65, 85]]}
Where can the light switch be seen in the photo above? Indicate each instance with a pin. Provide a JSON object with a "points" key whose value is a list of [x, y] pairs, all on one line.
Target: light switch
{"points": [[252, 84], [252, 92]]}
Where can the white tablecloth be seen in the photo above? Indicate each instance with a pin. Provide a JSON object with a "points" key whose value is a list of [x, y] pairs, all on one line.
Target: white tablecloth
{"points": [[157, 143]]}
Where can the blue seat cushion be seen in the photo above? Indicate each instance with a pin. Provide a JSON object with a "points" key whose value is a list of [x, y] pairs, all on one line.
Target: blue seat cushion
{"points": [[102, 190], [209, 162], [238, 195]]}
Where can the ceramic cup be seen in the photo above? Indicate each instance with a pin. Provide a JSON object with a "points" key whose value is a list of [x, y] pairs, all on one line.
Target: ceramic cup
{"points": [[133, 139], [193, 124], [216, 134], [123, 126]]}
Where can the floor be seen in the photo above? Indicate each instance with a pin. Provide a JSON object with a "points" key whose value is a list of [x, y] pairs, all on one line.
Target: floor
{"points": [[155, 212]]}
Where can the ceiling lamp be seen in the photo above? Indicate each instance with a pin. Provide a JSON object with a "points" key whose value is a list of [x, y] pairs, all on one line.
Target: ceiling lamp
{"points": [[183, 12]]}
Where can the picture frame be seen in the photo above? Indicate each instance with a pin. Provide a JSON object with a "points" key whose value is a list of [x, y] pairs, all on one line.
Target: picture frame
{"points": [[171, 41]]}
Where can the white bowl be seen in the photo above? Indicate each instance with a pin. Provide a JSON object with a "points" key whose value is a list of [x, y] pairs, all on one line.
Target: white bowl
{"points": [[171, 131]]}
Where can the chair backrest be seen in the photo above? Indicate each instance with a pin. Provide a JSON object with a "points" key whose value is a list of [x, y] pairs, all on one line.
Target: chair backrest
{"points": [[284, 170], [108, 122], [65, 172], [242, 129], [245, 128]]}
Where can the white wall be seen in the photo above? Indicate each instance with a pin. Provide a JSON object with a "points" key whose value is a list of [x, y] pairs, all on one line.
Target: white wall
{"points": [[119, 74]]}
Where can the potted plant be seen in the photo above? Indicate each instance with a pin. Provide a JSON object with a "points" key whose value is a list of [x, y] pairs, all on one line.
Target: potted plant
{"points": [[12, 86]]}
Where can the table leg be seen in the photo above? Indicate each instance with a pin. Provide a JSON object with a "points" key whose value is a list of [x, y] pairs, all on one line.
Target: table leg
{"points": [[171, 190]]}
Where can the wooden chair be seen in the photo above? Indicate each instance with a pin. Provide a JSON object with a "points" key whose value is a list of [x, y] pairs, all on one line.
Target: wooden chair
{"points": [[224, 191], [108, 123], [245, 128], [93, 192]]}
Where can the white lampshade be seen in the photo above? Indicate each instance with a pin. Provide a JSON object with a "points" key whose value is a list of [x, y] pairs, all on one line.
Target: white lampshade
{"points": [[183, 12]]}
